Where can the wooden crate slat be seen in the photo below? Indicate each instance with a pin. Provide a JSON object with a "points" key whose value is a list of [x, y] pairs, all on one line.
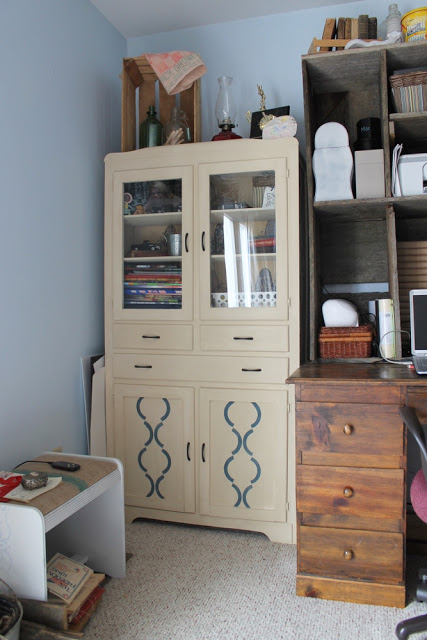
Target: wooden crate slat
{"points": [[131, 70], [166, 102], [128, 112], [190, 103]]}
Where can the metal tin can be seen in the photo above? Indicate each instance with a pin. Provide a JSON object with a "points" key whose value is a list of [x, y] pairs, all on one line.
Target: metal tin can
{"points": [[414, 25]]}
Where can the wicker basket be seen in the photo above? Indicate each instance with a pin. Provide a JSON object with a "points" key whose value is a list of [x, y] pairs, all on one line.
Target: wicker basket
{"points": [[409, 91], [345, 342]]}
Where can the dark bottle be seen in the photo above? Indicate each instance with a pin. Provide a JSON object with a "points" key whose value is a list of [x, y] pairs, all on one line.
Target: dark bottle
{"points": [[151, 130]]}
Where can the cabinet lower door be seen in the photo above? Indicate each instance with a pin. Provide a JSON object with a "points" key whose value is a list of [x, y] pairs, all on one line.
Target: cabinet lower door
{"points": [[243, 468], [155, 441]]}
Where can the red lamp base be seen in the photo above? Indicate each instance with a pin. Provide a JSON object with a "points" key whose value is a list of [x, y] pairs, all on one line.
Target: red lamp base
{"points": [[226, 134]]}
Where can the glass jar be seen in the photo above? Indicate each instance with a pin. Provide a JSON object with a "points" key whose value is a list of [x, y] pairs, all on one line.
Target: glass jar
{"points": [[178, 121], [151, 130]]}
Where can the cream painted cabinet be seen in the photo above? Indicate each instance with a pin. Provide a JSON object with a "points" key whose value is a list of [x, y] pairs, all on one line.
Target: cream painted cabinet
{"points": [[202, 330]]}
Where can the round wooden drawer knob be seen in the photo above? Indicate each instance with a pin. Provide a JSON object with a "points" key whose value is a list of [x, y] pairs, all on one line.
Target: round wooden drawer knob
{"points": [[348, 554], [348, 429], [348, 492]]}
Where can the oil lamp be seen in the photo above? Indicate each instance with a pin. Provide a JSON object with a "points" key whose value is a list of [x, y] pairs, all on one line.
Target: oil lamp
{"points": [[225, 110]]}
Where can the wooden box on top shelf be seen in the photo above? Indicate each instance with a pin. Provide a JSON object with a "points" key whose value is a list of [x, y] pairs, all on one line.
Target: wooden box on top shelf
{"points": [[142, 88]]}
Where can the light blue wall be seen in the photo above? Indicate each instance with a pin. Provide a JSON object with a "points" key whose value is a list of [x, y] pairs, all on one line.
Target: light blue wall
{"points": [[60, 62], [264, 51]]}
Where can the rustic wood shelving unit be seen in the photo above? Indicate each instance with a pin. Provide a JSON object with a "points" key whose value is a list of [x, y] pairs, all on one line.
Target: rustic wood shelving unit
{"points": [[354, 241]]}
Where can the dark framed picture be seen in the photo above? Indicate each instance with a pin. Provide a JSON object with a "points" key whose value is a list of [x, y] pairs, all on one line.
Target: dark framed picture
{"points": [[256, 132]]}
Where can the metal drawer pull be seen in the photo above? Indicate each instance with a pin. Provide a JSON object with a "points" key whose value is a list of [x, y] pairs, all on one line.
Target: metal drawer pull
{"points": [[348, 492], [143, 366], [348, 429], [188, 452], [203, 452], [151, 337], [255, 370], [348, 554], [186, 243], [239, 338]]}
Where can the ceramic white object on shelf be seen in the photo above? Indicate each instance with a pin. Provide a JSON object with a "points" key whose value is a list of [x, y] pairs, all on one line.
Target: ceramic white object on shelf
{"points": [[340, 313], [332, 163]]}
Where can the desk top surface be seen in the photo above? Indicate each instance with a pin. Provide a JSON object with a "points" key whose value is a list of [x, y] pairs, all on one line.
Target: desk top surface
{"points": [[345, 373]]}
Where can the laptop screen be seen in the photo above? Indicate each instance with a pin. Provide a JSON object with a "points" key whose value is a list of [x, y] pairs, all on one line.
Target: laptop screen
{"points": [[418, 315]]}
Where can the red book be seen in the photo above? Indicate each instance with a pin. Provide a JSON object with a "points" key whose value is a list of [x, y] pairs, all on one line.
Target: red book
{"points": [[88, 607], [263, 242]]}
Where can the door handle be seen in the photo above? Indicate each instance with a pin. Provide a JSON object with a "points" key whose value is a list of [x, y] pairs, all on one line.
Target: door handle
{"points": [[186, 243], [188, 452], [203, 241], [203, 452]]}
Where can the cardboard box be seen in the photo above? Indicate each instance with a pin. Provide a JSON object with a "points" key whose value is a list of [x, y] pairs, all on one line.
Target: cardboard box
{"points": [[369, 166]]}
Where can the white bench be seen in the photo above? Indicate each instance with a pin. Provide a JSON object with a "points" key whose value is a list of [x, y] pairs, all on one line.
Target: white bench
{"points": [[90, 523]]}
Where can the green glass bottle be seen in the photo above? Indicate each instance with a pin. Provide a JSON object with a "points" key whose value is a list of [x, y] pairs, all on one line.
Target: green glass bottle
{"points": [[151, 130]]}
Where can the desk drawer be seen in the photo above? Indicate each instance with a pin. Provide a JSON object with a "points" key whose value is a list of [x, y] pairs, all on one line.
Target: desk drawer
{"points": [[152, 336], [349, 429], [346, 553], [349, 491], [244, 338], [417, 398]]}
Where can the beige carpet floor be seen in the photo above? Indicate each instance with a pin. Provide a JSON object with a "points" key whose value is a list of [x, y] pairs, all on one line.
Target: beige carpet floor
{"points": [[194, 583]]}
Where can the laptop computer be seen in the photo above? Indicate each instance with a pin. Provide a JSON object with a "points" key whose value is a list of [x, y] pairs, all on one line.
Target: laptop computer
{"points": [[418, 318]]}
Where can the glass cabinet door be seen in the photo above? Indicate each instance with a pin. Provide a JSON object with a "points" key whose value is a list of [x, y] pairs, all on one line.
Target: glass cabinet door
{"points": [[244, 238], [152, 259]]}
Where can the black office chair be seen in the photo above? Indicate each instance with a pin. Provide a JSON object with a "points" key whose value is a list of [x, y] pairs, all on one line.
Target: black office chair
{"points": [[405, 628]]}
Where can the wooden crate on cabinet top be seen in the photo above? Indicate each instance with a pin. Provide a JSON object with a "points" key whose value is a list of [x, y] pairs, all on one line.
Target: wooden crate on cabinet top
{"points": [[142, 88]]}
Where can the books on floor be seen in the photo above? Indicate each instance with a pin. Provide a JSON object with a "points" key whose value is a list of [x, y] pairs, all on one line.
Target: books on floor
{"points": [[66, 577], [67, 616]]}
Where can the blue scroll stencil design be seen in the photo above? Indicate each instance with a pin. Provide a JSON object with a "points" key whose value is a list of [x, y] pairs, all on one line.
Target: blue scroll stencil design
{"points": [[153, 440], [242, 493]]}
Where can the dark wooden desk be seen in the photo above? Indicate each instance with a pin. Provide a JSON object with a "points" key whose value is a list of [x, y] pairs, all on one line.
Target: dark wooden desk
{"points": [[351, 453]]}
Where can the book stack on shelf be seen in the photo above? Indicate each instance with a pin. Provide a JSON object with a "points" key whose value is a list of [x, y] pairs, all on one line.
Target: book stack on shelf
{"points": [[152, 285], [338, 32], [74, 593], [263, 244]]}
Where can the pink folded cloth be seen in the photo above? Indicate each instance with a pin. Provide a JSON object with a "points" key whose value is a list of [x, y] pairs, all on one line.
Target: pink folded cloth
{"points": [[176, 70]]}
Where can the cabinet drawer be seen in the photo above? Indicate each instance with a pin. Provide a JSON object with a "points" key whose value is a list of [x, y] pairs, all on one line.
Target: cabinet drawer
{"points": [[245, 369], [146, 366], [346, 430], [349, 491], [346, 553], [244, 338], [152, 336]]}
